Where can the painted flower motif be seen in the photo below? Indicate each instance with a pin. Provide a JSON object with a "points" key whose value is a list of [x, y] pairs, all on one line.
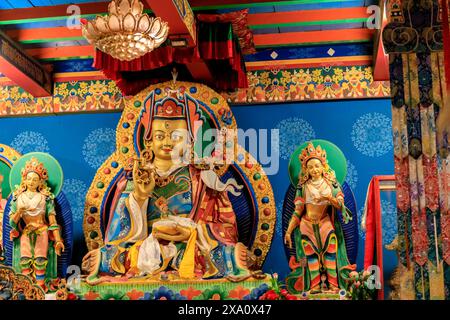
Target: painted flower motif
{"points": [[352, 175], [5, 106], [239, 293], [45, 105], [91, 295], [4, 93], [113, 295], [338, 75], [98, 146], [190, 293], [214, 293], [147, 296], [372, 134], [75, 190], [256, 293], [82, 88], [72, 296], [61, 89], [163, 293], [135, 294], [30, 141], [317, 76], [113, 89], [292, 132]]}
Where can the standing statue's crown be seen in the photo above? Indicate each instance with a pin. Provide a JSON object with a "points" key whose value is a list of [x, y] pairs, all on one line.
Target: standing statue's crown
{"points": [[313, 152], [33, 165]]}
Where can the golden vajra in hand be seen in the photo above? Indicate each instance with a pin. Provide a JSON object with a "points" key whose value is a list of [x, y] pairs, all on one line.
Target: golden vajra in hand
{"points": [[144, 179]]}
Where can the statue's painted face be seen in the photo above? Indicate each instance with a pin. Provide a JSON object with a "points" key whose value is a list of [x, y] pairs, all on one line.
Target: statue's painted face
{"points": [[32, 181], [315, 168], [169, 138]]}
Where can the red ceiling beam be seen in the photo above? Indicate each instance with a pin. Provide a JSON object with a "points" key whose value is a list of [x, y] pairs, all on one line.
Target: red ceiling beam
{"points": [[253, 19], [52, 11], [380, 58], [93, 8], [182, 25], [62, 52], [307, 16], [43, 33], [179, 15], [303, 37], [23, 69], [204, 3], [260, 39]]}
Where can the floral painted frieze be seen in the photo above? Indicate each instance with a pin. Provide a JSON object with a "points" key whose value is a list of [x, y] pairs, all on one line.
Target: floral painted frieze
{"points": [[265, 86]]}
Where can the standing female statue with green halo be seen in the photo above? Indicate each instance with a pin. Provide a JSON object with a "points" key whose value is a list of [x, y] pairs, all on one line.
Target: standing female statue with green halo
{"points": [[34, 231], [321, 262]]}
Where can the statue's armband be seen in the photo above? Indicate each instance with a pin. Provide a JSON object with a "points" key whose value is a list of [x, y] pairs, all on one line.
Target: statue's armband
{"points": [[14, 217], [50, 208]]}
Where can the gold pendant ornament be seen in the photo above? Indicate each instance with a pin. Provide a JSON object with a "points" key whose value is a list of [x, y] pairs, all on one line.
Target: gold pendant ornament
{"points": [[126, 33], [163, 181]]}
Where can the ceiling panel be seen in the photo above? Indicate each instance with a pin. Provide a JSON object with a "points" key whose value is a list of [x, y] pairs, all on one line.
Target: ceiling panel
{"points": [[43, 33]]}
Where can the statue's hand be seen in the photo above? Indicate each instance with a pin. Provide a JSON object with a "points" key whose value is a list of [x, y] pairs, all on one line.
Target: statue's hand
{"points": [[59, 247], [325, 199], [18, 214], [346, 216], [288, 240], [13, 234], [144, 181], [91, 262]]}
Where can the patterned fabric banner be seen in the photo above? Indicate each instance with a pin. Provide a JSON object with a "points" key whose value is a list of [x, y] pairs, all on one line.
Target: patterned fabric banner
{"points": [[421, 164]]}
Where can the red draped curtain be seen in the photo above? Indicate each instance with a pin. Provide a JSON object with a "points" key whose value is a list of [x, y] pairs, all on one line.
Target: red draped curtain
{"points": [[217, 46]]}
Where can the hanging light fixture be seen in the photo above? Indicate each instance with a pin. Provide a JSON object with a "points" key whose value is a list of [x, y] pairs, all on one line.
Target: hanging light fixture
{"points": [[126, 33]]}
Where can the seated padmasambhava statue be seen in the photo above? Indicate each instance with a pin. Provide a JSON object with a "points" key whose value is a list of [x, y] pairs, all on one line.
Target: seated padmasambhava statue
{"points": [[173, 214], [321, 262]]}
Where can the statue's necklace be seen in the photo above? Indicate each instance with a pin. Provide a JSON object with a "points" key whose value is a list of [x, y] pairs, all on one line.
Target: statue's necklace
{"points": [[163, 181], [30, 194], [317, 184]]}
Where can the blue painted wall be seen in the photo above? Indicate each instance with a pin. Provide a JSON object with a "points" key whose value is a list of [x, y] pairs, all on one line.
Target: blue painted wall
{"points": [[361, 128]]}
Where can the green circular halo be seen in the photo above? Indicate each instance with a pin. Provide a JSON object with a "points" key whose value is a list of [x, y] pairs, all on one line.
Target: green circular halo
{"points": [[335, 157], [55, 173]]}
